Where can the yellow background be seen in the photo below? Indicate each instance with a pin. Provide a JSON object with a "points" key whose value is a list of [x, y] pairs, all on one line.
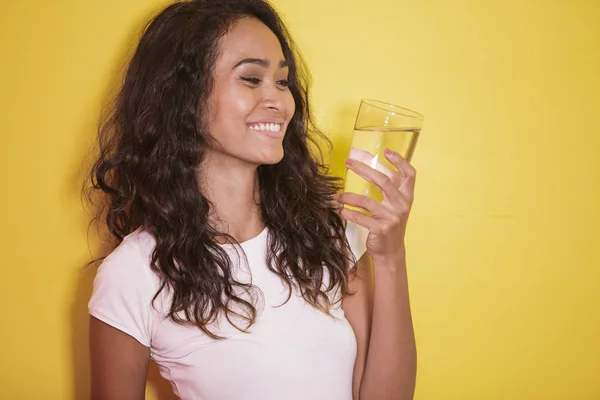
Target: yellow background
{"points": [[504, 237]]}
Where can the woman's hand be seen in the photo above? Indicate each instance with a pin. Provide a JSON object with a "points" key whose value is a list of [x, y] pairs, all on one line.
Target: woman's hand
{"points": [[387, 222]]}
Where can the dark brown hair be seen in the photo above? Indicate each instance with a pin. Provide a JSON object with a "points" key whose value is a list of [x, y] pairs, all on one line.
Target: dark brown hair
{"points": [[151, 142]]}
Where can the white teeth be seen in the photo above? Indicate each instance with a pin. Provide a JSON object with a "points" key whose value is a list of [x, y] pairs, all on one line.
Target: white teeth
{"points": [[266, 127]]}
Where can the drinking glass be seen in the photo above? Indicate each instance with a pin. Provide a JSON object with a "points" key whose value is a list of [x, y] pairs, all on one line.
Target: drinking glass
{"points": [[379, 125]]}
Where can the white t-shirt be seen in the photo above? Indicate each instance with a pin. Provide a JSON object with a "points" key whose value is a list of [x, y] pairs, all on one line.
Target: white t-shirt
{"points": [[293, 351]]}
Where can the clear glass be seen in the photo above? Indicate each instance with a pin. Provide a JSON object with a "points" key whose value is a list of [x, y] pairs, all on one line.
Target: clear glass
{"points": [[379, 125]]}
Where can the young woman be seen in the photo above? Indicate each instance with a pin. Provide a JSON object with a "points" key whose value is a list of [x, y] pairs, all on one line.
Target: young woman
{"points": [[233, 271]]}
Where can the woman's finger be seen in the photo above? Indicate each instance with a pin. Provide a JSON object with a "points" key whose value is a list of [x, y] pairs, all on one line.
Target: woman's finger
{"points": [[366, 221], [371, 160], [379, 179], [409, 173], [375, 208], [400, 162]]}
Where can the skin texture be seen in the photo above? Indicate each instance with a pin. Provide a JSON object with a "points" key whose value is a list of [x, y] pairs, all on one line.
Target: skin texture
{"points": [[251, 86], [119, 364]]}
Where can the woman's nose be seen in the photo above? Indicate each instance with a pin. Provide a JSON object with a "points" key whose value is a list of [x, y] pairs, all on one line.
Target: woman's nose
{"points": [[273, 97]]}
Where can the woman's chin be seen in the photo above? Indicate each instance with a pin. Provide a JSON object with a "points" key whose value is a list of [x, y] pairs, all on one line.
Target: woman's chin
{"points": [[271, 158]]}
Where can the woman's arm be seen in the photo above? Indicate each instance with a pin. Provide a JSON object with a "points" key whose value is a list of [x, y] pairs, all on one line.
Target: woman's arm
{"points": [[390, 371], [388, 361], [119, 364], [358, 309], [385, 366]]}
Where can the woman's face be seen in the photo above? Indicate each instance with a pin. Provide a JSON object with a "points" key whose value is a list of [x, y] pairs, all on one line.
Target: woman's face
{"points": [[251, 106]]}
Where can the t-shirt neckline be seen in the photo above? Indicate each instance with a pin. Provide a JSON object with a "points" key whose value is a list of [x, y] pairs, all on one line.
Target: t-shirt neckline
{"points": [[250, 241]]}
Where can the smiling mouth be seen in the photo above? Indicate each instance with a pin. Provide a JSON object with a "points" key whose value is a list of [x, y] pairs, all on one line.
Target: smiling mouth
{"points": [[265, 127]]}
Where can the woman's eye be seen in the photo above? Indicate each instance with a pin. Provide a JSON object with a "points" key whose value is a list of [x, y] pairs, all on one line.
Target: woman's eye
{"points": [[284, 83], [253, 81]]}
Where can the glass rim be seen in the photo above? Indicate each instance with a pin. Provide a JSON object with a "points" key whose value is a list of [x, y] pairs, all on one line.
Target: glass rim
{"points": [[392, 107]]}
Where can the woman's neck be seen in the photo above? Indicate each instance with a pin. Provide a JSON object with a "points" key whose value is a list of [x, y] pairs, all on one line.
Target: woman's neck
{"points": [[233, 190]]}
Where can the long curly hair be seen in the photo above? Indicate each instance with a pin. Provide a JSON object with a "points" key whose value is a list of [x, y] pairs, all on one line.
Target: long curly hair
{"points": [[151, 142]]}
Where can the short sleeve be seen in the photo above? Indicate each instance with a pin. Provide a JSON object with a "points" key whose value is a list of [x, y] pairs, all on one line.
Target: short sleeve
{"points": [[357, 239], [123, 292]]}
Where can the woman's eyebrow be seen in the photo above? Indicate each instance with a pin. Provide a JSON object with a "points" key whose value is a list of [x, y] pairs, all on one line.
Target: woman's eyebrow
{"points": [[261, 62]]}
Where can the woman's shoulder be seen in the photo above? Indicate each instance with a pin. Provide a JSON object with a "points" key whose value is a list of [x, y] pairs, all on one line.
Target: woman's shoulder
{"points": [[131, 259], [138, 243], [124, 287]]}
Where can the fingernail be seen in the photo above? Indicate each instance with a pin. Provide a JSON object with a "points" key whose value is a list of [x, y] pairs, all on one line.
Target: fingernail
{"points": [[349, 162], [388, 151]]}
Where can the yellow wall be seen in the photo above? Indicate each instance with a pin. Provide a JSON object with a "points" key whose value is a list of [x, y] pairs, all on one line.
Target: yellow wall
{"points": [[504, 241]]}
